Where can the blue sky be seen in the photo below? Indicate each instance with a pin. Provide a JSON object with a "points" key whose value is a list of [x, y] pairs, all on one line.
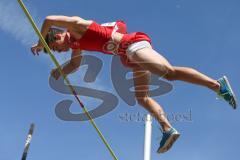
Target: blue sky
{"points": [[200, 34]]}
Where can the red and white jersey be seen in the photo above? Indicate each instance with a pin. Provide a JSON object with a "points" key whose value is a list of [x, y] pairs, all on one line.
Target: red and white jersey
{"points": [[98, 37]]}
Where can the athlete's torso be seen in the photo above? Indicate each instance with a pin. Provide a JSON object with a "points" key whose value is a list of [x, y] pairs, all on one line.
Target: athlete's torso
{"points": [[109, 38], [103, 38]]}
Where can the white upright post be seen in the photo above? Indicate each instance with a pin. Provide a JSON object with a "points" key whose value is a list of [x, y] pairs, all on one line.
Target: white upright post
{"points": [[148, 137]]}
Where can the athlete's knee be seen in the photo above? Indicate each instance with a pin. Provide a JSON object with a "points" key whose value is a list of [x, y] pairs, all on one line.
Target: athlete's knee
{"points": [[143, 100], [170, 73]]}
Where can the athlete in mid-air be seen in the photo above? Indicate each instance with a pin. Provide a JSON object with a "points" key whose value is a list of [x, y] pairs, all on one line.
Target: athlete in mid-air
{"points": [[135, 51]]}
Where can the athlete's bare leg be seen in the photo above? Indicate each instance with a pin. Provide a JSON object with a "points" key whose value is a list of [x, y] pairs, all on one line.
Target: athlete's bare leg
{"points": [[141, 80], [150, 60]]}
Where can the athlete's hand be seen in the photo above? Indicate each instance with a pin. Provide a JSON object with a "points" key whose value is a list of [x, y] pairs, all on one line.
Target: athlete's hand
{"points": [[36, 48], [55, 73]]}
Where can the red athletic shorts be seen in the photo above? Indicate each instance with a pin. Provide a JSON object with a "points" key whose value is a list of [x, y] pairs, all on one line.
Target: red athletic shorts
{"points": [[126, 41]]}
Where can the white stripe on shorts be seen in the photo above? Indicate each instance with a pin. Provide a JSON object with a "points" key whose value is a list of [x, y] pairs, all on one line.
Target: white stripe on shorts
{"points": [[137, 46]]}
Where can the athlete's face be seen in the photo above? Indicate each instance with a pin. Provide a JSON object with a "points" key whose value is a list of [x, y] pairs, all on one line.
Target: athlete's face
{"points": [[61, 43]]}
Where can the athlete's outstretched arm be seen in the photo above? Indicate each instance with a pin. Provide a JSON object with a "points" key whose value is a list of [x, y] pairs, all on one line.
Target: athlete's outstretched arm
{"points": [[74, 63]]}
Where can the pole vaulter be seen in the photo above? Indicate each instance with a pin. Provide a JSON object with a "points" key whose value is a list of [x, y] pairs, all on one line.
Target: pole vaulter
{"points": [[135, 51]]}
